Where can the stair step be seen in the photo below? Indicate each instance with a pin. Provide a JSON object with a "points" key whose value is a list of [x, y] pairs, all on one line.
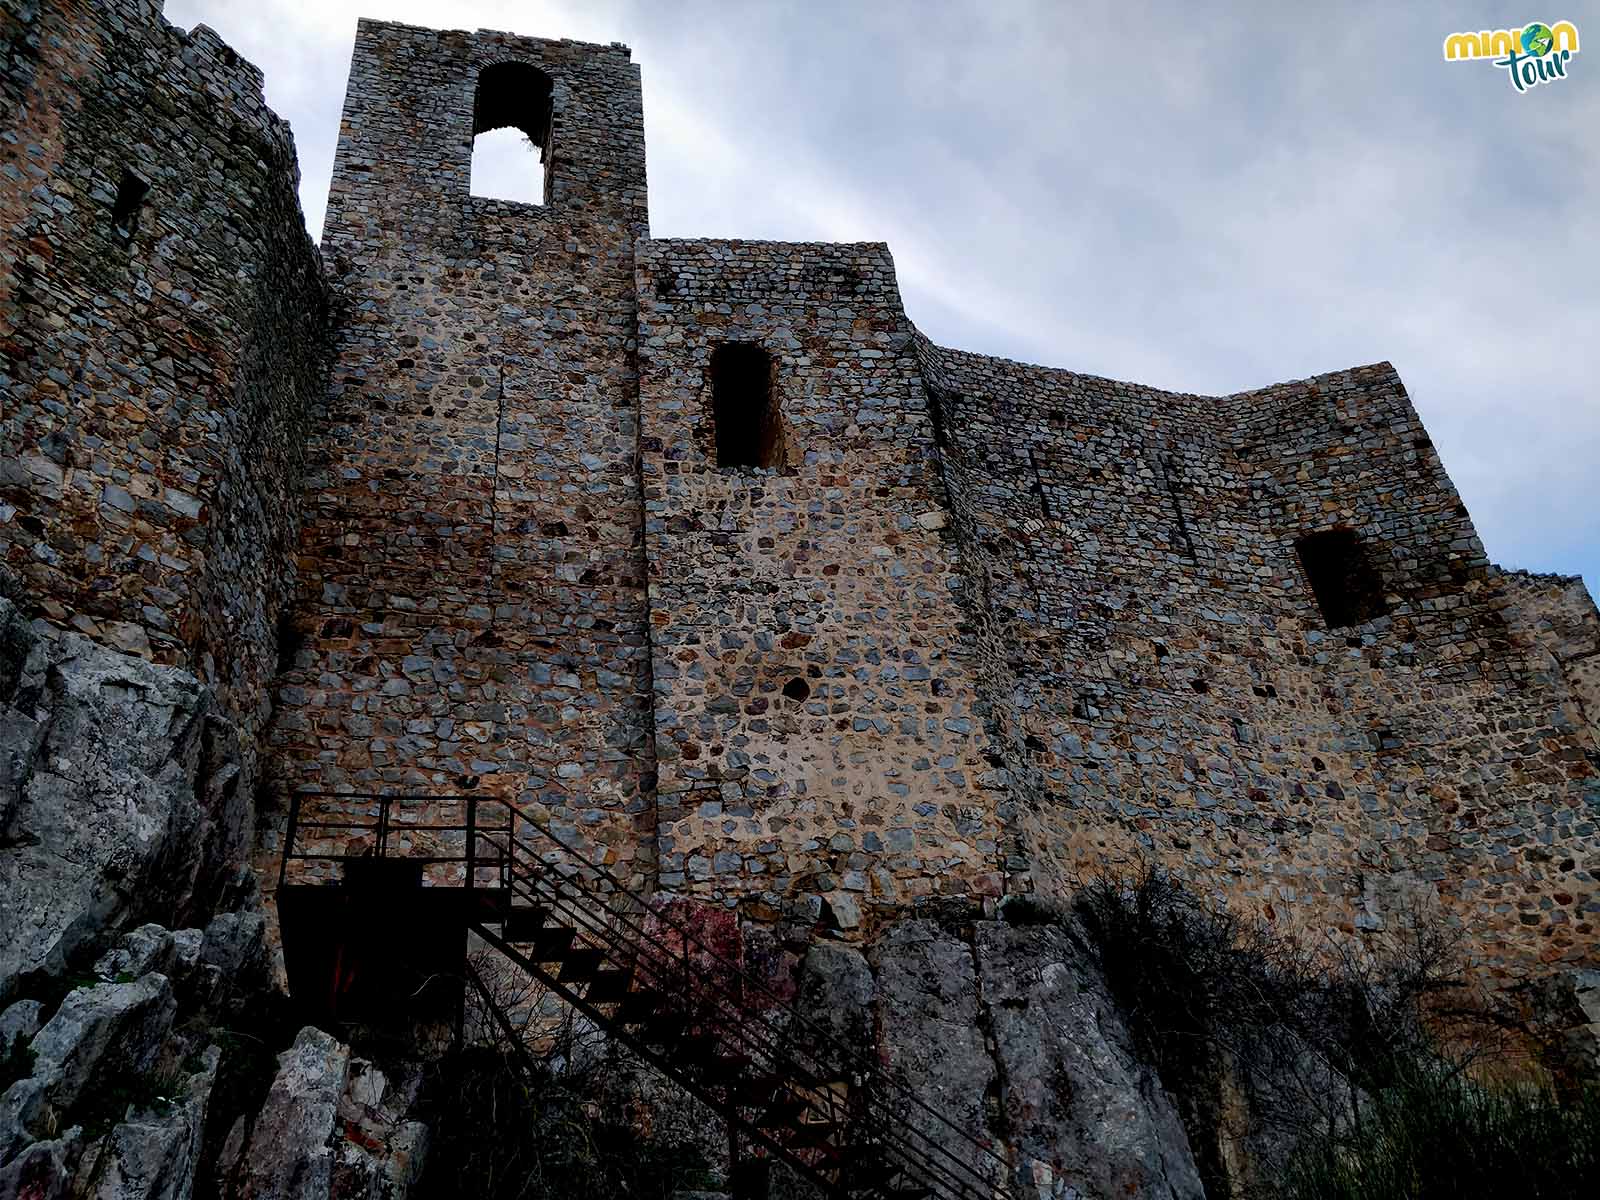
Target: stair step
{"points": [[487, 903], [665, 1028], [757, 1089], [808, 1135], [581, 964], [609, 987], [730, 1068], [869, 1173], [552, 943], [638, 1007], [781, 1113], [523, 924]]}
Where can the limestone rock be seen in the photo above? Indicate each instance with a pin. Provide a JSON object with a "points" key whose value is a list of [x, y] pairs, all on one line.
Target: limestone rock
{"points": [[141, 951], [99, 1034], [153, 1155], [125, 805], [1057, 1076], [20, 733], [17, 641], [290, 1155], [43, 1171], [928, 1014], [234, 958], [23, 1019], [381, 1153], [1088, 1118], [837, 992]]}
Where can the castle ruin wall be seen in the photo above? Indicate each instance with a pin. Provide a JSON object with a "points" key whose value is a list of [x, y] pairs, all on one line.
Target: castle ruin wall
{"points": [[162, 336], [1169, 689]]}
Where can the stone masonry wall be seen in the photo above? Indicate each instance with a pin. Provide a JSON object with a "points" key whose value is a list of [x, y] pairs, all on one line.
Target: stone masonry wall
{"points": [[1557, 613], [871, 779], [1168, 688], [472, 608], [153, 382]]}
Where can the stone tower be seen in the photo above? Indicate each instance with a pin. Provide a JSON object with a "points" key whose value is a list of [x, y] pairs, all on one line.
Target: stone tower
{"points": [[472, 583]]}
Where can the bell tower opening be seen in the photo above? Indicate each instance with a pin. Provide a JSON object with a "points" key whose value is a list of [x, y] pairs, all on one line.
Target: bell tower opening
{"points": [[511, 119]]}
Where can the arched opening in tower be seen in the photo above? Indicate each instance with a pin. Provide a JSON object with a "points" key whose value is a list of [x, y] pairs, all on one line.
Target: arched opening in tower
{"points": [[511, 128]]}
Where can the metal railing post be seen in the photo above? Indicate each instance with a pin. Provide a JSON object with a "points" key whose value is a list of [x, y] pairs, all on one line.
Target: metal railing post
{"points": [[472, 841], [289, 836]]}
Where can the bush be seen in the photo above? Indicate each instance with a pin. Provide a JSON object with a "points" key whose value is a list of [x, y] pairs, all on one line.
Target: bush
{"points": [[540, 1104], [1435, 1133], [1266, 1044], [503, 1131]]}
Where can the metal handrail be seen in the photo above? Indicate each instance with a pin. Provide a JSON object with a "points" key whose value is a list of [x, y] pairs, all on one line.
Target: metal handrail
{"points": [[737, 1031], [547, 866]]}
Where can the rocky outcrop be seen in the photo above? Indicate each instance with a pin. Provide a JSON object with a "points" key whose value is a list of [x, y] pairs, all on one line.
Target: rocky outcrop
{"points": [[1083, 1115], [1009, 1035], [381, 1151], [121, 799], [104, 1034], [1563, 1014], [155, 1153], [290, 1155], [931, 1035], [124, 812], [332, 1126], [115, 1104]]}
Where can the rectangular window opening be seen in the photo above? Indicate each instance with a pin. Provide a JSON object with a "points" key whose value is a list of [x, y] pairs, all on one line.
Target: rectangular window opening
{"points": [[1347, 587], [748, 427], [131, 193]]}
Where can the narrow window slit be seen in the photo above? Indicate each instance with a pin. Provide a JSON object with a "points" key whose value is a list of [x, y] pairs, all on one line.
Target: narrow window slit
{"points": [[131, 193]]}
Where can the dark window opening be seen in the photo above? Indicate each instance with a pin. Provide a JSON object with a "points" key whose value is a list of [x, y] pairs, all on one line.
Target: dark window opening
{"points": [[1348, 588], [749, 431], [797, 689], [130, 199], [291, 640], [511, 116]]}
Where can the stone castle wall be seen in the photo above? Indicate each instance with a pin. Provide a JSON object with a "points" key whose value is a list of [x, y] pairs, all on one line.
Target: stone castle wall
{"points": [[985, 629], [871, 779], [1556, 614], [1169, 689], [155, 378]]}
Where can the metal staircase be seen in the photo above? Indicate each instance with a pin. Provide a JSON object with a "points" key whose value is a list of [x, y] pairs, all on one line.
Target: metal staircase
{"points": [[652, 980]]}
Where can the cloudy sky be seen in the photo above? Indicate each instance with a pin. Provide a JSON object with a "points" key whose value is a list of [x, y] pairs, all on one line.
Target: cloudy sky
{"points": [[1204, 197]]}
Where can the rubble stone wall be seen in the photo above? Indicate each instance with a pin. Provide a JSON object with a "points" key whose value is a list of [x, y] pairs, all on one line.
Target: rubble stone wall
{"points": [[472, 608], [1168, 687], [1558, 615], [154, 374], [818, 725]]}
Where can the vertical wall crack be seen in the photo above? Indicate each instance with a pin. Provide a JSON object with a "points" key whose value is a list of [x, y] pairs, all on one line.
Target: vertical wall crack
{"points": [[494, 492]]}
